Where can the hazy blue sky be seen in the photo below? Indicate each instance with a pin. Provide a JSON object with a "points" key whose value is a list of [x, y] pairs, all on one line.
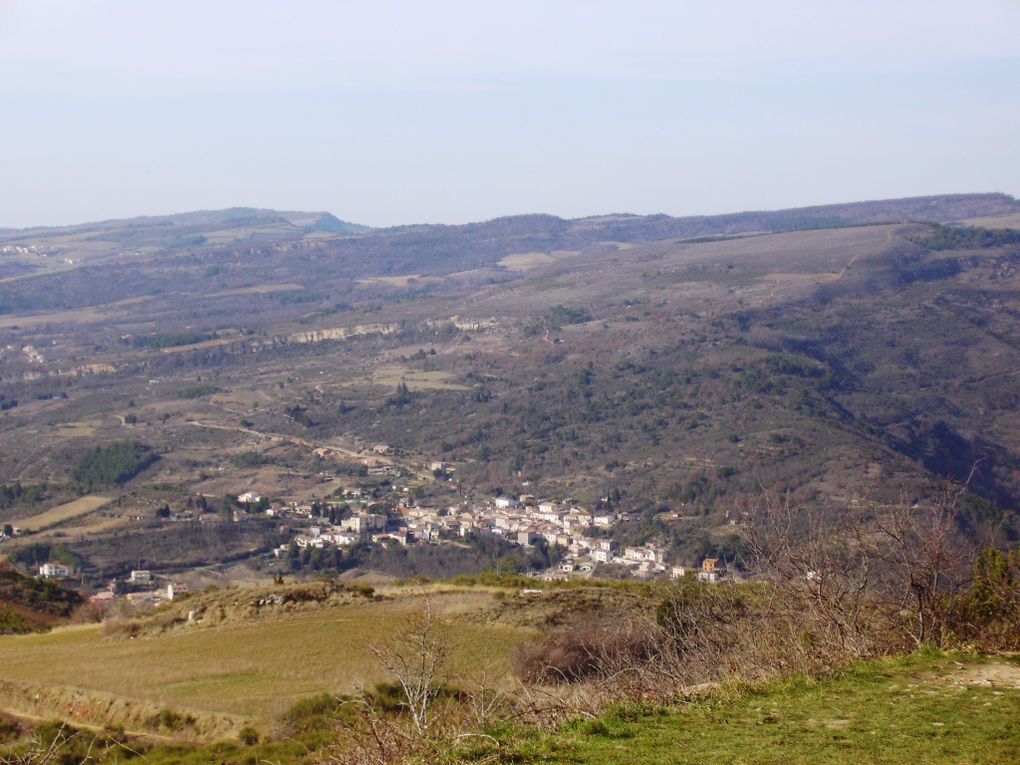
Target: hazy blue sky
{"points": [[389, 112]]}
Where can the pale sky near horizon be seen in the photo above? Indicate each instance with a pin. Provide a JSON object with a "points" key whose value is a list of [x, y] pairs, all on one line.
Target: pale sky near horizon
{"points": [[449, 111]]}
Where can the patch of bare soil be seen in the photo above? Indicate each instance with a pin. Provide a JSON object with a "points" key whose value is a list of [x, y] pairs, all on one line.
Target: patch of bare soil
{"points": [[995, 675]]}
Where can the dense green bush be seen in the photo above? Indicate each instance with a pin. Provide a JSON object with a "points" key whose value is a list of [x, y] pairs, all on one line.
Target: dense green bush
{"points": [[966, 237], [112, 464], [250, 459], [197, 391], [987, 612], [171, 340], [16, 493], [11, 623]]}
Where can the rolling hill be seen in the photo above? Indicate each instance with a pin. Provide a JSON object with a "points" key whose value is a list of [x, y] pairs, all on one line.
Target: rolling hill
{"points": [[678, 367]]}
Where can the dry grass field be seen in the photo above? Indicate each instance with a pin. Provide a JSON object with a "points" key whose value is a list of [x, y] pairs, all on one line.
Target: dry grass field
{"points": [[525, 261], [74, 316], [997, 221], [258, 289], [96, 313], [90, 525], [401, 280], [254, 668], [82, 429], [393, 375], [65, 512]]}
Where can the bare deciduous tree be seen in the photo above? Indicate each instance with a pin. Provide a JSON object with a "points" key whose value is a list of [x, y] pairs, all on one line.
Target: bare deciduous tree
{"points": [[924, 557], [414, 658]]}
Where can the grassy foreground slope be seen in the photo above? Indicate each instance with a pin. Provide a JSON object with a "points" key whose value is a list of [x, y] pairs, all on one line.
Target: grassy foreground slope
{"points": [[920, 709], [927, 708], [254, 668]]}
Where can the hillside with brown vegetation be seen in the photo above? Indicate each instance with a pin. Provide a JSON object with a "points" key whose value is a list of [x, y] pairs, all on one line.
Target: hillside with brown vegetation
{"points": [[27, 604], [674, 368]]}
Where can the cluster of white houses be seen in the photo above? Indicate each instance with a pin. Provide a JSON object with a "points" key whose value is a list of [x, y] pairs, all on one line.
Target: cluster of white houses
{"points": [[140, 585], [578, 533], [524, 520]]}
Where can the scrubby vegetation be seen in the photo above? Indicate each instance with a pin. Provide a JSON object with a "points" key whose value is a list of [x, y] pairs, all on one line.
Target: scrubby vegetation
{"points": [[27, 603], [250, 459], [12, 623], [112, 464], [477, 552], [797, 668], [967, 237], [197, 391], [216, 607], [33, 555], [16, 493]]}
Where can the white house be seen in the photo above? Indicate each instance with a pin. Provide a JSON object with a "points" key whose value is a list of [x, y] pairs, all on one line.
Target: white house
{"points": [[175, 590], [341, 539], [55, 571], [249, 498], [602, 556], [140, 576]]}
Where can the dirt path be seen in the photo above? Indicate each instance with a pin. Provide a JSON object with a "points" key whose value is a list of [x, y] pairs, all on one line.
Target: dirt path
{"points": [[993, 675], [298, 441], [854, 259]]}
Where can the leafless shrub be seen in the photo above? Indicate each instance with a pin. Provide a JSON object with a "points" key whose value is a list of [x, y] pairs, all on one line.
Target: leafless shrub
{"points": [[925, 559], [90, 612], [869, 581], [374, 736], [59, 743], [820, 570], [584, 649], [414, 657], [434, 723]]}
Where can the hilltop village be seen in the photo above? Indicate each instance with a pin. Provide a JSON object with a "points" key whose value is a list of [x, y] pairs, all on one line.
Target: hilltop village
{"points": [[576, 541], [525, 521], [385, 514]]}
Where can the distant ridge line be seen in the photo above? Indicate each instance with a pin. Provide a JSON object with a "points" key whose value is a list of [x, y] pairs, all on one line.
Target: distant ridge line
{"points": [[932, 208]]}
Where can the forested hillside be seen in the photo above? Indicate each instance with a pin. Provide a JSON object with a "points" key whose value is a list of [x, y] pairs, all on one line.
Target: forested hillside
{"points": [[677, 370]]}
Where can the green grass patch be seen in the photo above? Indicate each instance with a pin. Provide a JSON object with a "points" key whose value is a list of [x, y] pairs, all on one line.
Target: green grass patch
{"points": [[902, 711], [197, 391]]}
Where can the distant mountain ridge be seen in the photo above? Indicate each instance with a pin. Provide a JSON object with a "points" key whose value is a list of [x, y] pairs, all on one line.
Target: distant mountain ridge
{"points": [[246, 246], [230, 216], [937, 208], [625, 226]]}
